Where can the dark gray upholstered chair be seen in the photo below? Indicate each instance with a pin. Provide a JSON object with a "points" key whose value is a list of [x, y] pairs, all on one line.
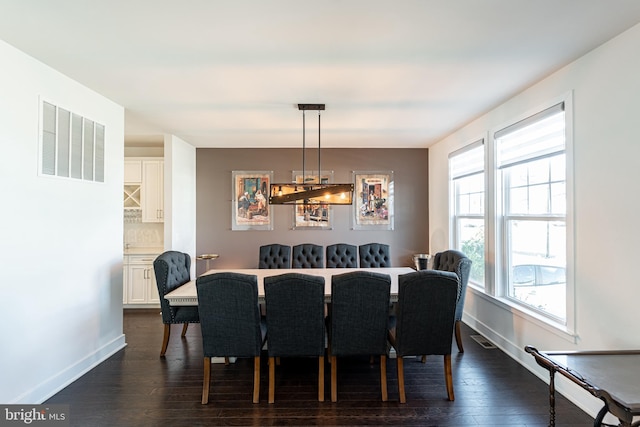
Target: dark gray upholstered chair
{"points": [[230, 322], [295, 321], [374, 255], [424, 320], [275, 256], [456, 262], [358, 321], [173, 269], [308, 255], [342, 255]]}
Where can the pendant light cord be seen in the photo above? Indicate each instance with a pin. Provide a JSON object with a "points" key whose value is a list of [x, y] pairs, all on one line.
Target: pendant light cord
{"points": [[304, 148], [319, 178], [304, 132]]}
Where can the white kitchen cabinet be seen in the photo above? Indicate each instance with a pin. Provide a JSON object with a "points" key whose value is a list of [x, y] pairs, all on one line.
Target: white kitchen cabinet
{"points": [[132, 183], [125, 281], [132, 196], [140, 287], [152, 191], [132, 171], [144, 187]]}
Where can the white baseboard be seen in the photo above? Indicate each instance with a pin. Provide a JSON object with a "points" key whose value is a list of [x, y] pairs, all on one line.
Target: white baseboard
{"points": [[574, 393], [60, 380], [221, 360]]}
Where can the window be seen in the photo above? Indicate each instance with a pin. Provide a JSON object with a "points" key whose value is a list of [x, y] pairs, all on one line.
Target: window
{"points": [[532, 190], [72, 146], [466, 172]]}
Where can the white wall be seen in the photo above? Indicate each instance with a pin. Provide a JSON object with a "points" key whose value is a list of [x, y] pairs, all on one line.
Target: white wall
{"points": [[61, 244], [180, 197], [606, 94]]}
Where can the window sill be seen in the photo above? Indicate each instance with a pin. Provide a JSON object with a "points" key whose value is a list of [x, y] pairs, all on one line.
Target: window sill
{"points": [[557, 328]]}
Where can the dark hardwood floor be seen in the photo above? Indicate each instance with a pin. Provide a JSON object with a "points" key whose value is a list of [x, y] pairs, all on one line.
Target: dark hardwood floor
{"points": [[136, 387]]}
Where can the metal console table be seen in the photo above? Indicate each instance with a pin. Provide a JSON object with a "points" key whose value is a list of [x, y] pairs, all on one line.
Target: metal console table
{"points": [[612, 376]]}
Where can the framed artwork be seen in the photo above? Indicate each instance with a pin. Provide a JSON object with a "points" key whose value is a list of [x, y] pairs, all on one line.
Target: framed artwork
{"points": [[313, 216], [373, 200], [250, 208]]}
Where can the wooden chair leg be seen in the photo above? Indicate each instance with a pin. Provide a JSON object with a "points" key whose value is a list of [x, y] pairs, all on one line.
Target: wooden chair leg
{"points": [[165, 339], [256, 379], [321, 379], [206, 380], [226, 360], [383, 376], [459, 337], [424, 359], [403, 398], [184, 329], [272, 379], [334, 379], [448, 377]]}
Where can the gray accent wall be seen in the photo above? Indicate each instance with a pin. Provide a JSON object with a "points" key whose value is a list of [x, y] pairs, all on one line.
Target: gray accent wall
{"points": [[239, 249]]}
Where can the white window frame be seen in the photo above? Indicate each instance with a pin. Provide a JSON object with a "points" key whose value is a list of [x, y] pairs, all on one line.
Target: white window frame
{"points": [[497, 223], [455, 216]]}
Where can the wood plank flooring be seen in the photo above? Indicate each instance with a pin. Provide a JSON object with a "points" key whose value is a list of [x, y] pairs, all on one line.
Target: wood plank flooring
{"points": [[136, 387]]}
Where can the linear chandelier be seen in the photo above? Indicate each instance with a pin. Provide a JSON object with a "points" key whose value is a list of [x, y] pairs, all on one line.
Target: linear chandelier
{"points": [[309, 193]]}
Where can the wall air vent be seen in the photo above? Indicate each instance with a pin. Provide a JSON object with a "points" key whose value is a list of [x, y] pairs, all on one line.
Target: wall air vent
{"points": [[71, 146], [485, 343]]}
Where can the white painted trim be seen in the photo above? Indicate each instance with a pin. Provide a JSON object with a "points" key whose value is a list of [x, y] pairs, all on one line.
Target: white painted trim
{"points": [[62, 379]]}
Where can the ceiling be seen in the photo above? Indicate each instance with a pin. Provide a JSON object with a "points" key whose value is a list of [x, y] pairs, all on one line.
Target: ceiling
{"points": [[402, 73]]}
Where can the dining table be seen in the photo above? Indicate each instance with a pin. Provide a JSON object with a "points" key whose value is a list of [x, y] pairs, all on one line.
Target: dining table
{"points": [[186, 295]]}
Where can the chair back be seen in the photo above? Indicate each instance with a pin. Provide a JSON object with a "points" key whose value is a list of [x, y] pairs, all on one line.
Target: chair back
{"points": [[359, 313], [275, 256], [425, 313], [374, 255], [342, 255], [172, 269], [308, 255], [229, 315], [295, 315], [456, 262]]}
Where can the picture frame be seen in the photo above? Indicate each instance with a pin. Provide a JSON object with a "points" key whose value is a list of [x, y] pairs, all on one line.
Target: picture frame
{"points": [[250, 209], [315, 216], [373, 200]]}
